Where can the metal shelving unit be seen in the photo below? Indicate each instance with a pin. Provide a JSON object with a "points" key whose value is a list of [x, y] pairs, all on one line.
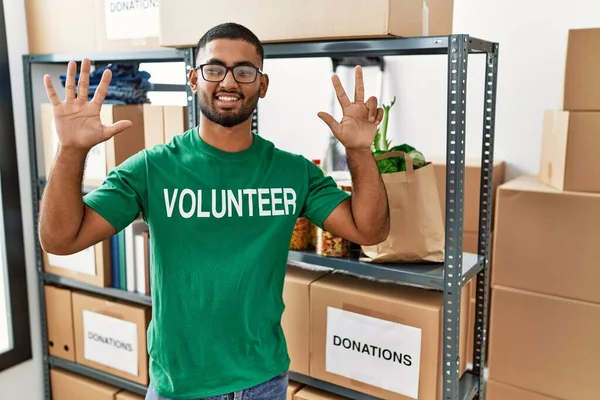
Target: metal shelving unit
{"points": [[449, 276], [37, 183]]}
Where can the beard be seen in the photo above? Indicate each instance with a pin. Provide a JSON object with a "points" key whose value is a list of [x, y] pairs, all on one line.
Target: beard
{"points": [[228, 118]]}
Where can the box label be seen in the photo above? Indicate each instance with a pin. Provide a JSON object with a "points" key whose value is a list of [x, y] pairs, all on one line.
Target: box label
{"points": [[83, 262], [373, 351], [111, 341], [131, 19]]}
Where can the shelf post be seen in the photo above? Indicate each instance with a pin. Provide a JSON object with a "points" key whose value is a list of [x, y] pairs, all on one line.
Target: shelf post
{"points": [[455, 163], [485, 217], [35, 197], [192, 100]]}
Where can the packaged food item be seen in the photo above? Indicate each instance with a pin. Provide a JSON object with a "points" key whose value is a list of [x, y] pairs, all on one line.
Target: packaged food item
{"points": [[330, 245], [301, 235], [314, 232]]}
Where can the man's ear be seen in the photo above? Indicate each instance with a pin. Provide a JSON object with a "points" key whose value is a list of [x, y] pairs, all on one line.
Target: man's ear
{"points": [[193, 80], [264, 85]]}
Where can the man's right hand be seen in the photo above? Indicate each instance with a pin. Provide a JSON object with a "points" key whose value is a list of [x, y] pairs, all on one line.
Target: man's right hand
{"points": [[77, 120]]}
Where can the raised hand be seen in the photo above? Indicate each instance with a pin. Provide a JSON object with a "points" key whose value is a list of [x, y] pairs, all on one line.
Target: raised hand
{"points": [[77, 120], [359, 123]]}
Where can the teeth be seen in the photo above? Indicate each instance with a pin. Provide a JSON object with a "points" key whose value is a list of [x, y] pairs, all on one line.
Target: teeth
{"points": [[223, 98]]}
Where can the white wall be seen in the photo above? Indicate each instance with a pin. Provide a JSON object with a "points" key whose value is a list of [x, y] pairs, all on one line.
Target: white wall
{"points": [[23, 381], [532, 36]]}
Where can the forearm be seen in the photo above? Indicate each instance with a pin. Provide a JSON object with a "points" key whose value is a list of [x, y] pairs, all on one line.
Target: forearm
{"points": [[370, 208], [62, 208]]}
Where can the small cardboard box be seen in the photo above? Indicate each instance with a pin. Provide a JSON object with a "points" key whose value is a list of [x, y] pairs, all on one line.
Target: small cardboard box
{"points": [[69, 386], [500, 391], [292, 389], [106, 155], [154, 133], [472, 189], [175, 121], [381, 339], [582, 71], [310, 393], [111, 336], [296, 316], [59, 322], [570, 144], [181, 25], [128, 396], [544, 236], [91, 265], [535, 339]]}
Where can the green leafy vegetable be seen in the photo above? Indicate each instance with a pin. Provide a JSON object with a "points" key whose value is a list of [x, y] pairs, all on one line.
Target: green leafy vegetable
{"points": [[382, 145]]}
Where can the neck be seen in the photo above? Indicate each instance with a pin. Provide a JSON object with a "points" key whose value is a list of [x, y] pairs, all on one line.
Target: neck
{"points": [[234, 139]]}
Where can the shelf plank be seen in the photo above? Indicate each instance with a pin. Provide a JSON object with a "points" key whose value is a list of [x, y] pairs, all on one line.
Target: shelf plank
{"points": [[104, 291], [467, 387], [100, 376], [359, 47], [138, 56], [428, 275]]}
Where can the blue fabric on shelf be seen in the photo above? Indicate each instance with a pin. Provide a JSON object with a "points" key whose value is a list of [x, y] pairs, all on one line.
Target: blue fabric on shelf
{"points": [[128, 85]]}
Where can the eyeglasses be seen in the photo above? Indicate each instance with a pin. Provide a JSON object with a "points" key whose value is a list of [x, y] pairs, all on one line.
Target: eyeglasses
{"points": [[217, 72]]}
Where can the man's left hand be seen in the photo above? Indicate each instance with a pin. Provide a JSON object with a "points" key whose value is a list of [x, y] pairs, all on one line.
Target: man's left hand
{"points": [[358, 126]]}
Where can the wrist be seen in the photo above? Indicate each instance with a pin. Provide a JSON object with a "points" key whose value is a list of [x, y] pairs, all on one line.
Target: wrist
{"points": [[72, 152], [359, 152]]}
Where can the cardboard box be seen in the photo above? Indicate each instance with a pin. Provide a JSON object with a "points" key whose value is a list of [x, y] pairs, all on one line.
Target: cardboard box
{"points": [[154, 133], [310, 393], [582, 71], [471, 331], [175, 120], [296, 317], [59, 322], [91, 265], [545, 344], [128, 396], [101, 26], [69, 386], [499, 391], [472, 189], [546, 241], [380, 339], [106, 155], [111, 336], [569, 158], [181, 25], [51, 26], [292, 389]]}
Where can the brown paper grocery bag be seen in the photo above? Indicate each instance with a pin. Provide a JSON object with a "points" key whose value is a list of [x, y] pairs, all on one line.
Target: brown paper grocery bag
{"points": [[417, 225]]}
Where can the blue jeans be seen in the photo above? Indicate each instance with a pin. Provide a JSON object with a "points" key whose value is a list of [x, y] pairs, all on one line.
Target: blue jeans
{"points": [[273, 389]]}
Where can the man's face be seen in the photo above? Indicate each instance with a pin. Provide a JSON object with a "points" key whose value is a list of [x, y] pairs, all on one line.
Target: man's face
{"points": [[228, 102]]}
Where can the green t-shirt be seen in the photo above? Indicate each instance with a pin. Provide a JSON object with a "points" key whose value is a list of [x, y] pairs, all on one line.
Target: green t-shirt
{"points": [[220, 226]]}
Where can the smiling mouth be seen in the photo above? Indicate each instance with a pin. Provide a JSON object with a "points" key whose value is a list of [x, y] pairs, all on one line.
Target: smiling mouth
{"points": [[227, 98]]}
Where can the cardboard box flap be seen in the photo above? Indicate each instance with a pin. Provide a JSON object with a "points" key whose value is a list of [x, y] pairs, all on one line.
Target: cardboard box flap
{"points": [[500, 391], [426, 299], [310, 393], [530, 183], [303, 275], [128, 396]]}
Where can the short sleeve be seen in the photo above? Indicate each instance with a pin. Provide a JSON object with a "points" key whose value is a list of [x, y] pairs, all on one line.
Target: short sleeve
{"points": [[122, 196], [322, 197]]}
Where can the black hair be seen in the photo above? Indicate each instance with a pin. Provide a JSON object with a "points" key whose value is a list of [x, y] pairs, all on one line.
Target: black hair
{"points": [[231, 30]]}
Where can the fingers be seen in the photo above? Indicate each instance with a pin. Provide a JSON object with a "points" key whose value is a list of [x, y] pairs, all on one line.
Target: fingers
{"points": [[330, 121], [102, 90], [372, 107], [84, 79], [359, 86], [379, 116], [50, 91], [116, 128], [70, 81], [340, 92]]}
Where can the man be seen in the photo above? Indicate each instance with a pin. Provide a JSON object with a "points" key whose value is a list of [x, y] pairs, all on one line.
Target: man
{"points": [[221, 203]]}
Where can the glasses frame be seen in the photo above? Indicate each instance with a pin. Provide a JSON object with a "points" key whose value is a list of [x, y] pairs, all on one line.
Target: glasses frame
{"points": [[227, 69]]}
